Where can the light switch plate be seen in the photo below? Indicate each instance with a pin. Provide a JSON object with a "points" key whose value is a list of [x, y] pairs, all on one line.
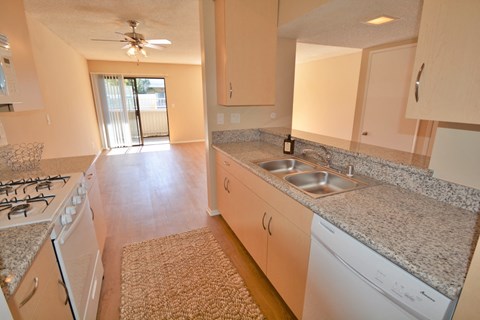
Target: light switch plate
{"points": [[3, 136]]}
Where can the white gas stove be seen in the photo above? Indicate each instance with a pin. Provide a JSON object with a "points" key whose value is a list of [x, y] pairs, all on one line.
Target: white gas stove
{"points": [[63, 200], [32, 200]]}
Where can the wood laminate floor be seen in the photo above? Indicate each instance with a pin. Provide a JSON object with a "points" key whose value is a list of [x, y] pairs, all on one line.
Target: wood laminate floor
{"points": [[147, 195]]}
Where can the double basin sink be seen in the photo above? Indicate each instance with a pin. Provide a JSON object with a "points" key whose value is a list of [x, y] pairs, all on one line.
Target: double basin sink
{"points": [[314, 180]]}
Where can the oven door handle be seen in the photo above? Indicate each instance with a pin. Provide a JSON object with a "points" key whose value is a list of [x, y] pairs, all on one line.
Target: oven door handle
{"points": [[66, 234]]}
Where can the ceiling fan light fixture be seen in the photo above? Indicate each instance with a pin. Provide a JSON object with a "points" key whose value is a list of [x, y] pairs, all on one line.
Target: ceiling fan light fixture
{"points": [[132, 51]]}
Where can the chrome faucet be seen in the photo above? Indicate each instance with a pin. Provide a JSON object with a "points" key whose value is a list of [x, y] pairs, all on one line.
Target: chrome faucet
{"points": [[326, 159]]}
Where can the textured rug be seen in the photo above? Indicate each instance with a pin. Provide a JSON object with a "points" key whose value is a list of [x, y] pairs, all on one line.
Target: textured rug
{"points": [[183, 276]]}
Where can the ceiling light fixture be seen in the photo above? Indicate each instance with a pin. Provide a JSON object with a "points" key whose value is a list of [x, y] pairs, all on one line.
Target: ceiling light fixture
{"points": [[136, 50], [381, 20]]}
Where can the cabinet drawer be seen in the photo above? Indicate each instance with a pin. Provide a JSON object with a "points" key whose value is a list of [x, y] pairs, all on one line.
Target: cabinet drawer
{"points": [[48, 299]]}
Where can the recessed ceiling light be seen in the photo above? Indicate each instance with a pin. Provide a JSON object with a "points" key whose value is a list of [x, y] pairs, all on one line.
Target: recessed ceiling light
{"points": [[381, 20]]}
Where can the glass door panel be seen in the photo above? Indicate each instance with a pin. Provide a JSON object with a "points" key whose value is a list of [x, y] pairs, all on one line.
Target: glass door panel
{"points": [[133, 111]]}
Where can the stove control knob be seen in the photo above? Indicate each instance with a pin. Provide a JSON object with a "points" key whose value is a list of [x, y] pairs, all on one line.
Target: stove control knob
{"points": [[76, 200], [82, 190], [70, 210], [66, 219]]}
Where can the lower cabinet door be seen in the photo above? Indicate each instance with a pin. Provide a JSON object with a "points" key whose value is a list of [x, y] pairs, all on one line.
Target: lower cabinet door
{"points": [[253, 217], [41, 294], [287, 262]]}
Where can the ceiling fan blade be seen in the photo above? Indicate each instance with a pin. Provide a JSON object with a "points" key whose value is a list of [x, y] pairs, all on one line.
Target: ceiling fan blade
{"points": [[159, 41], [109, 40], [127, 38], [154, 46]]}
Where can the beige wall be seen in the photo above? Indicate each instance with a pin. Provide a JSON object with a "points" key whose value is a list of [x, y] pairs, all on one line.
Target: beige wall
{"points": [[65, 86], [325, 95], [184, 93], [456, 154], [251, 117]]}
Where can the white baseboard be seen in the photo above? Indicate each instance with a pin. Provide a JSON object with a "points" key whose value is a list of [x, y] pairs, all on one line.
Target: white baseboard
{"points": [[212, 213]]}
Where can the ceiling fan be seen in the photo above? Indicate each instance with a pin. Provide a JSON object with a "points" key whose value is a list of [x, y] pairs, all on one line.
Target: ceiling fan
{"points": [[136, 42]]}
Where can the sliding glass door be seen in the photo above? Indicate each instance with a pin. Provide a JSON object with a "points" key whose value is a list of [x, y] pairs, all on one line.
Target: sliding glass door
{"points": [[117, 110], [131, 110]]}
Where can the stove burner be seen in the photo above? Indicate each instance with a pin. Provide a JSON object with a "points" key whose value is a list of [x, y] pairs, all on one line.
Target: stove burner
{"points": [[6, 190], [18, 209], [44, 185]]}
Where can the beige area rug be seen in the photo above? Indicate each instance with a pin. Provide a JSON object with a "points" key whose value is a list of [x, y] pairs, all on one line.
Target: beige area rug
{"points": [[183, 276]]}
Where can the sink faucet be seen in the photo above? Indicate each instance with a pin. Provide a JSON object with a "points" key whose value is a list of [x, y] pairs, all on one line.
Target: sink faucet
{"points": [[326, 159]]}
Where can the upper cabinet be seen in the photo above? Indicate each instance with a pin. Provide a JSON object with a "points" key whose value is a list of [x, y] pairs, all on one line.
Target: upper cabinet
{"points": [[446, 79], [246, 45], [13, 24]]}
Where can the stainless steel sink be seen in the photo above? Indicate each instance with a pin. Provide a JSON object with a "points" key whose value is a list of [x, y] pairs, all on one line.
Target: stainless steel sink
{"points": [[315, 180], [282, 167], [322, 183]]}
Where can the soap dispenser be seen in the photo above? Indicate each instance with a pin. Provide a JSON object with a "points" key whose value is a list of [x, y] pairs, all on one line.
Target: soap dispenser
{"points": [[288, 145]]}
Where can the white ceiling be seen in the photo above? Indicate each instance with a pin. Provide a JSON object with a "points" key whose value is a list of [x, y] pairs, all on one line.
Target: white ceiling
{"points": [[336, 23], [79, 21]]}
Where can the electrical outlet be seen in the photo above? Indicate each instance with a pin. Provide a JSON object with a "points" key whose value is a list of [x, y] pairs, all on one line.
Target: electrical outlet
{"points": [[220, 118]]}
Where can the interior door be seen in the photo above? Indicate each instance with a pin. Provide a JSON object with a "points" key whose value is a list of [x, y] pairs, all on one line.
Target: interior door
{"points": [[384, 123]]}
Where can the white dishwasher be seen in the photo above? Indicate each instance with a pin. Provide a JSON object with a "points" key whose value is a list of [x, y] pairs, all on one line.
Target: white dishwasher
{"points": [[349, 281]]}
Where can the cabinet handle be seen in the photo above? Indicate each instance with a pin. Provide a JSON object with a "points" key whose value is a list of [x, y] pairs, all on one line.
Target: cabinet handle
{"points": [[230, 91], [228, 182], [225, 162], [30, 295], [93, 214], [263, 220], [417, 83], [60, 282], [225, 183], [89, 176], [269, 222]]}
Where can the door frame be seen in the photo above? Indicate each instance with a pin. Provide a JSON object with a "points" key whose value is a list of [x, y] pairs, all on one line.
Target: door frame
{"points": [[362, 96]]}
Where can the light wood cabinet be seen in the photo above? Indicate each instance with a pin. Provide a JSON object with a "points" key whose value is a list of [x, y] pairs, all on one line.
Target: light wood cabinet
{"points": [[14, 26], [96, 204], [273, 228], [41, 294], [447, 64], [246, 45]]}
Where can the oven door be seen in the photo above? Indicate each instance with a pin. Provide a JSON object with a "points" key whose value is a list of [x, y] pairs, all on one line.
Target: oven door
{"points": [[80, 261]]}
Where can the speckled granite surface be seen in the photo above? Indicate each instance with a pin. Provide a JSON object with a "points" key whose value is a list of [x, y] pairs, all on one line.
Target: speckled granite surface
{"points": [[50, 167], [19, 245], [430, 239], [18, 248], [399, 168]]}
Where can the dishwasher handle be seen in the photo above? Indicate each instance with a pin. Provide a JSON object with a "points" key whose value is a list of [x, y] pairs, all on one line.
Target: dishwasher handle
{"points": [[367, 281]]}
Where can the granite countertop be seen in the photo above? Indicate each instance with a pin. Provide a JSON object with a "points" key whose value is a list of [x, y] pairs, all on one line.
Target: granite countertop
{"points": [[19, 245], [50, 167], [395, 222]]}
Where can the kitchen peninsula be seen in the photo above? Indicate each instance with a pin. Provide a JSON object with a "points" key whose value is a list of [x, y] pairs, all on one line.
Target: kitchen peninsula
{"points": [[427, 226]]}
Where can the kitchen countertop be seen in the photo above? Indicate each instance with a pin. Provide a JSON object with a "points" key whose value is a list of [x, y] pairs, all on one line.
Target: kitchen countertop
{"points": [[18, 249], [19, 245], [50, 167], [430, 239]]}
